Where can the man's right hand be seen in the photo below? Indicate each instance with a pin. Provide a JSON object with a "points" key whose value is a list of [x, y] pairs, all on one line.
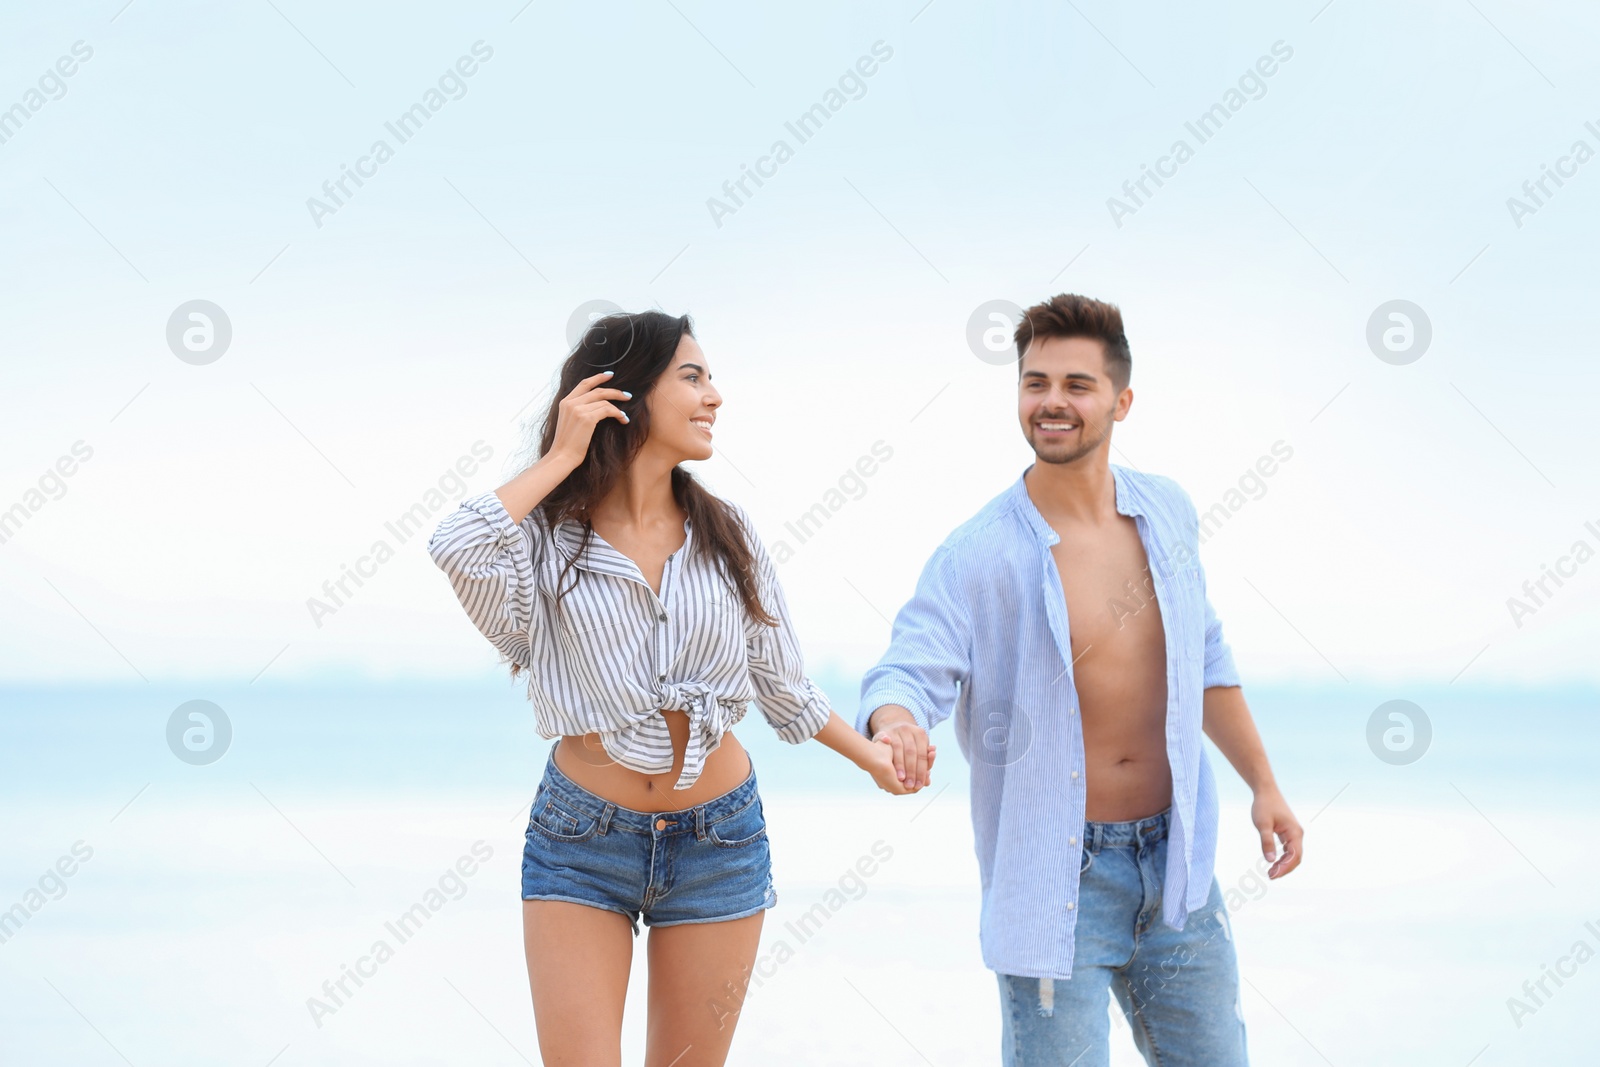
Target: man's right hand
{"points": [[894, 726]]}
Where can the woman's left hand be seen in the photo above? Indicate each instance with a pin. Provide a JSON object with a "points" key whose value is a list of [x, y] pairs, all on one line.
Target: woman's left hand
{"points": [[877, 758], [879, 762]]}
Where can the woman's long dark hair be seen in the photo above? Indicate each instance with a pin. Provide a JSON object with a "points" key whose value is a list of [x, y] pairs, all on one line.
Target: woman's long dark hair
{"points": [[639, 348]]}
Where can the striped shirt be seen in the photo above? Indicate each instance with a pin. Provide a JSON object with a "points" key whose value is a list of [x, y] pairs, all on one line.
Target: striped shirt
{"points": [[986, 634], [613, 654]]}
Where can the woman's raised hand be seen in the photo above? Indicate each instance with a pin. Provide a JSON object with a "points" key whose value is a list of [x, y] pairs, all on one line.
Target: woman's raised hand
{"points": [[581, 410]]}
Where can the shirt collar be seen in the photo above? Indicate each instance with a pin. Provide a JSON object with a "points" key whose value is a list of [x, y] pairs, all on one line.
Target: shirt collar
{"points": [[600, 557], [1128, 502]]}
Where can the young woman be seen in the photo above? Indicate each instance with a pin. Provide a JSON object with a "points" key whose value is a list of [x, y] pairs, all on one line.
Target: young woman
{"points": [[648, 615]]}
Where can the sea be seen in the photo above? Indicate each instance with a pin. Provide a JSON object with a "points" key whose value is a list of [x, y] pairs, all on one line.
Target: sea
{"points": [[164, 903]]}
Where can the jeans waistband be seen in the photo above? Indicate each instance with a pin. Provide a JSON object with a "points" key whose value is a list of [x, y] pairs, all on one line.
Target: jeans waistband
{"points": [[1133, 833], [614, 816]]}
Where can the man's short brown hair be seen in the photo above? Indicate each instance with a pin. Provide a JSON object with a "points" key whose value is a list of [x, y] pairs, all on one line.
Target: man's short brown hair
{"points": [[1071, 315]]}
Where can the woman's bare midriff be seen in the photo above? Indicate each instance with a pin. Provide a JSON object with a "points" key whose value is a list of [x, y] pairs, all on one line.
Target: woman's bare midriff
{"points": [[584, 760]]}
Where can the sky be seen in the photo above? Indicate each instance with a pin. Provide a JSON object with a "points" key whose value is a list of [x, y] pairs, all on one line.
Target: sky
{"points": [[168, 511]]}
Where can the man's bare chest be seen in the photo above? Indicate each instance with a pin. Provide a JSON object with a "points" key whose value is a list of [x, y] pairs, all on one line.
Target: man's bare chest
{"points": [[1109, 589]]}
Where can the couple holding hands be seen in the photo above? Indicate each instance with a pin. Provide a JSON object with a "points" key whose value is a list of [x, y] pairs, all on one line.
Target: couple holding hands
{"points": [[1065, 626]]}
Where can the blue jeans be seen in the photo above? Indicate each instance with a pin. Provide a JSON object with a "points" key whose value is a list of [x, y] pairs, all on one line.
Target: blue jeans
{"points": [[704, 864], [1179, 990]]}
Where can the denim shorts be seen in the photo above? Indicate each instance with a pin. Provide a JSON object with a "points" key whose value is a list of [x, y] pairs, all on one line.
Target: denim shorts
{"points": [[704, 864]]}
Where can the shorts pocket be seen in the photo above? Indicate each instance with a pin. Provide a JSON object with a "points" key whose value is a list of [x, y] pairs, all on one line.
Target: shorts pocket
{"points": [[743, 828], [559, 822], [1086, 861]]}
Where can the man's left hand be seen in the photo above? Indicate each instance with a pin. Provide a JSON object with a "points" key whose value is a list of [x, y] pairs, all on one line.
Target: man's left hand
{"points": [[1275, 822]]}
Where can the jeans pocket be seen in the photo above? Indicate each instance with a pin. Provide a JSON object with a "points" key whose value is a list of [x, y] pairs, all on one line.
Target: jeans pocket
{"points": [[743, 828], [1085, 862], [561, 823]]}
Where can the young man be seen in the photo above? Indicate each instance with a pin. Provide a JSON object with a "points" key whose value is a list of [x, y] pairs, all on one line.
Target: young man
{"points": [[1071, 615]]}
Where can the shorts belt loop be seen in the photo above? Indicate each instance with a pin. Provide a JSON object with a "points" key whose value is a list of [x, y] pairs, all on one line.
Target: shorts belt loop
{"points": [[700, 822], [605, 816], [1094, 836]]}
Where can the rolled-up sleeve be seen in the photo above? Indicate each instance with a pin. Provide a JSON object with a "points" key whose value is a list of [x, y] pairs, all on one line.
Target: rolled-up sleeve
{"points": [[930, 650], [490, 561], [1219, 669], [790, 701]]}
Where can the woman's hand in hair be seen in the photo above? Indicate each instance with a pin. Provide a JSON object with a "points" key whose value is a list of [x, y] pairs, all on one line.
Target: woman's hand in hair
{"points": [[581, 411]]}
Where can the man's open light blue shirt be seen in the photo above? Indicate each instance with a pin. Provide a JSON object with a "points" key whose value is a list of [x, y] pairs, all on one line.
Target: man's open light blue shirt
{"points": [[985, 635]]}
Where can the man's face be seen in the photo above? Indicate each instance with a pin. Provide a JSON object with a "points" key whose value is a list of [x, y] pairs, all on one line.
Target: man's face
{"points": [[1066, 402]]}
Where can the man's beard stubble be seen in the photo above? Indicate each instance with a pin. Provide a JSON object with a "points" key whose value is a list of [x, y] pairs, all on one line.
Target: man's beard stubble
{"points": [[1085, 446]]}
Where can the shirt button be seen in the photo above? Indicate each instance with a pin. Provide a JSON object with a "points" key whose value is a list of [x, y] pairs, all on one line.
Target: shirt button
{"points": [[1072, 840], [1071, 906], [661, 824], [1074, 774], [662, 617]]}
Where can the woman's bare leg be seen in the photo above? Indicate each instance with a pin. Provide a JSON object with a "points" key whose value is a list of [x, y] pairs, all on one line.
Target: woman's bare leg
{"points": [[698, 977], [578, 961]]}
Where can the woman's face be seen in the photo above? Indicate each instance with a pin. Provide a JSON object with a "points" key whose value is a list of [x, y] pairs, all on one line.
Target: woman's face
{"points": [[683, 403]]}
